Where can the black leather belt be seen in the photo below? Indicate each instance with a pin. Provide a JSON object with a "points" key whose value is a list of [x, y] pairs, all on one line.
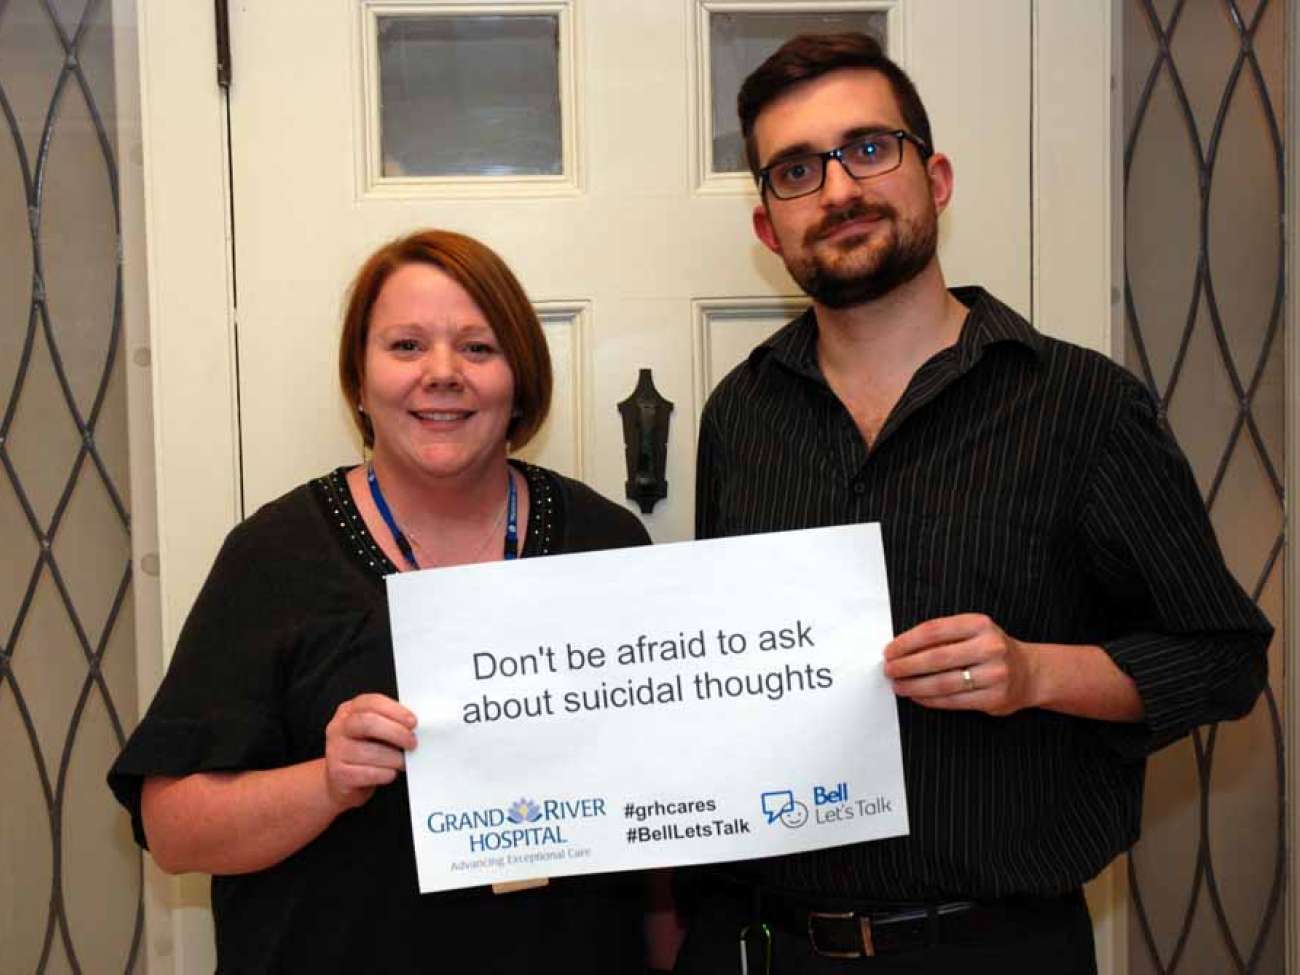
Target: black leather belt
{"points": [[840, 931], [850, 934], [861, 929]]}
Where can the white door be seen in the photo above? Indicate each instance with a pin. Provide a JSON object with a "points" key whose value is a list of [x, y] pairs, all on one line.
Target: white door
{"points": [[577, 138]]}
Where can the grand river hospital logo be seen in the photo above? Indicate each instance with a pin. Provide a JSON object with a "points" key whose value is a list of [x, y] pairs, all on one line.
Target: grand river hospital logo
{"points": [[781, 804], [523, 811]]}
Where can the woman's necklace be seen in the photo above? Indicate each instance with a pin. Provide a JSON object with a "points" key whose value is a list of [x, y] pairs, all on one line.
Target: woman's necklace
{"points": [[403, 539], [419, 546]]}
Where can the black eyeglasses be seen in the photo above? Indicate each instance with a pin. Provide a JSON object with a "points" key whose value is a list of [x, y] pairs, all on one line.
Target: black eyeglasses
{"points": [[867, 156]]}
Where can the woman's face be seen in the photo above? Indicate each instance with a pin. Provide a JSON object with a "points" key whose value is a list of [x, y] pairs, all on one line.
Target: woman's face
{"points": [[437, 387]]}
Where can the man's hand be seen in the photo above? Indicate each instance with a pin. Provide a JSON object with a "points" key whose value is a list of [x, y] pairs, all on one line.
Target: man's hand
{"points": [[965, 663]]}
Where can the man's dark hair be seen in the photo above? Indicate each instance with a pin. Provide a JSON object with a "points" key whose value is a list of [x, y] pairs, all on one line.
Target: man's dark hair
{"points": [[810, 56]]}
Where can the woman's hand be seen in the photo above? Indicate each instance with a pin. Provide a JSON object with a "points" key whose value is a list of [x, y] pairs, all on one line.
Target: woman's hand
{"points": [[365, 747]]}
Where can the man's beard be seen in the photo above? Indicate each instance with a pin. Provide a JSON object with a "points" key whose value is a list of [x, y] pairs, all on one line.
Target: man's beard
{"points": [[903, 256]]}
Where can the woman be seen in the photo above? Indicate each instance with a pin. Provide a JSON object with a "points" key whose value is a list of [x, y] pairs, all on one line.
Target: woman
{"points": [[271, 756]]}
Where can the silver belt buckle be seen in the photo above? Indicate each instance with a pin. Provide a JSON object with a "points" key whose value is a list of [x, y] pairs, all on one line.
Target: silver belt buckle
{"points": [[864, 930]]}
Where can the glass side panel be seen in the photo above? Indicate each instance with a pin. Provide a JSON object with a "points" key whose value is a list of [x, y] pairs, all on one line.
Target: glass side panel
{"points": [[740, 42], [470, 96], [1206, 104], [72, 879]]}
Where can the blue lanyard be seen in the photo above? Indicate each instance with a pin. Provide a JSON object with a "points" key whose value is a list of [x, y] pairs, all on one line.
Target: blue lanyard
{"points": [[512, 520], [404, 546]]}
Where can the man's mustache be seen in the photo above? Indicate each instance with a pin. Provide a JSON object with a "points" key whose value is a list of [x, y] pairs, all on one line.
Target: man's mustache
{"points": [[855, 211]]}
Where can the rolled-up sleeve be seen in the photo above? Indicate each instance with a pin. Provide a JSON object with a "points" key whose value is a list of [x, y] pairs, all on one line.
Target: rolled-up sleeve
{"points": [[1189, 636]]}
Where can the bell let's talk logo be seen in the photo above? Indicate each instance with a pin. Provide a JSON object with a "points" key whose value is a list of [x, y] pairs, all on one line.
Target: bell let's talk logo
{"points": [[830, 804]]}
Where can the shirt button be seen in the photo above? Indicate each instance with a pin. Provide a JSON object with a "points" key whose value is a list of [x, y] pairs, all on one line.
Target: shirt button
{"points": [[859, 487]]}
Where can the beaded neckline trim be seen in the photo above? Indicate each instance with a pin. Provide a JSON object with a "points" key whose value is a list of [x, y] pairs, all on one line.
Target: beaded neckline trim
{"points": [[350, 527]]}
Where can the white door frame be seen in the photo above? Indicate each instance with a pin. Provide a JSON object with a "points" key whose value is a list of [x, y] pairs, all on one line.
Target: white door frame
{"points": [[1078, 268], [186, 276], [186, 331]]}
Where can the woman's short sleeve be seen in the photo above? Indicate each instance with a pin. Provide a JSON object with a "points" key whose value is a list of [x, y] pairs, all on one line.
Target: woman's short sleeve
{"points": [[219, 707]]}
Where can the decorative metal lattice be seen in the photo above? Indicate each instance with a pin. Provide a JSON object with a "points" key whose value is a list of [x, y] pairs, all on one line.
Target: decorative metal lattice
{"points": [[1232, 30], [40, 475]]}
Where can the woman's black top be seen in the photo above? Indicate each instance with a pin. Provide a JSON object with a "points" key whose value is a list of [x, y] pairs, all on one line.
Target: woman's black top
{"points": [[291, 622]]}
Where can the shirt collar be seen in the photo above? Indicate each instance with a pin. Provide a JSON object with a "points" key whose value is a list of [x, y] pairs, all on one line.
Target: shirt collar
{"points": [[988, 322]]}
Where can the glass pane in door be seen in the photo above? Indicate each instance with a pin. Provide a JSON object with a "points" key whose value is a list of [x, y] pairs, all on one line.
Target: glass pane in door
{"points": [[470, 95], [740, 41]]}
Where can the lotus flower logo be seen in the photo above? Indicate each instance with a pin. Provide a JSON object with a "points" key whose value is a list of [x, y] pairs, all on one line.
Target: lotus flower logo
{"points": [[523, 811]]}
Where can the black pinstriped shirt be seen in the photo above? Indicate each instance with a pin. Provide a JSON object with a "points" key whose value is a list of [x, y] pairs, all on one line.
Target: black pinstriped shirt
{"points": [[1027, 479]]}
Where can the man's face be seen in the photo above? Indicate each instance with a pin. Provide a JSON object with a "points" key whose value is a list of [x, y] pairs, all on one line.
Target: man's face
{"points": [[852, 241]]}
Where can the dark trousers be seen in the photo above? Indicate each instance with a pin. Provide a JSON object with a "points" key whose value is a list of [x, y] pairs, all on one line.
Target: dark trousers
{"points": [[1046, 938]]}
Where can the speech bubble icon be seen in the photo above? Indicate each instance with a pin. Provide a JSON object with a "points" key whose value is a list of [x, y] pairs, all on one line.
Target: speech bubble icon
{"points": [[777, 804]]}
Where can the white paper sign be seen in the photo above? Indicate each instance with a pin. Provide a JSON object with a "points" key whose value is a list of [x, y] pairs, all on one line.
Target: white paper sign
{"points": [[657, 706]]}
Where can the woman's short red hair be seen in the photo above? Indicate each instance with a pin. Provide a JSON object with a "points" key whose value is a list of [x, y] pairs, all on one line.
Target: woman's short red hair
{"points": [[497, 292]]}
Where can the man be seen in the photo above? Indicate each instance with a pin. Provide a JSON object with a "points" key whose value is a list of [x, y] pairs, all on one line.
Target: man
{"points": [[1061, 604]]}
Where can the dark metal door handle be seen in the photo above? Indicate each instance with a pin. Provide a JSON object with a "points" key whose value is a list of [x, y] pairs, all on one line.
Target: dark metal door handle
{"points": [[645, 442]]}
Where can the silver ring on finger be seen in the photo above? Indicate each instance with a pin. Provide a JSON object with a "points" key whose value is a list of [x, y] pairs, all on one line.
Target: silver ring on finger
{"points": [[967, 679]]}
